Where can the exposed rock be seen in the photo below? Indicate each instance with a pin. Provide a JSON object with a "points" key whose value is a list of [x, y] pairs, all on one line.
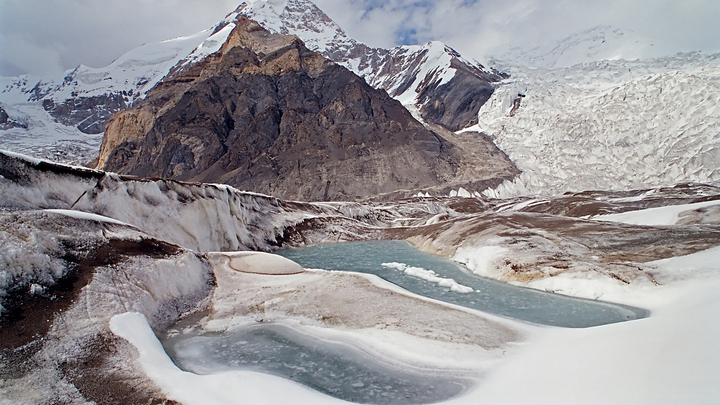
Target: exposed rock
{"points": [[455, 104], [88, 114], [6, 122], [417, 75], [264, 113]]}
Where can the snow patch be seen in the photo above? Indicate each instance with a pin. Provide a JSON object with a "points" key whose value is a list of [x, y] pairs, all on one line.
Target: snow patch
{"points": [[483, 260], [87, 216], [658, 216]]}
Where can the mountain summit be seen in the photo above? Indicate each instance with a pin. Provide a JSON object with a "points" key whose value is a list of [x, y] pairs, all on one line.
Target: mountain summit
{"points": [[434, 79], [266, 114]]}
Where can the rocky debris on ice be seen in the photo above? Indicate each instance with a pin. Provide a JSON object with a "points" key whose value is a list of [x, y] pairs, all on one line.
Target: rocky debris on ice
{"points": [[63, 278]]}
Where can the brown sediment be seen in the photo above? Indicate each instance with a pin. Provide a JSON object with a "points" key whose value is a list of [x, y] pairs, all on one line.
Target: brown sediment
{"points": [[28, 317], [98, 378]]}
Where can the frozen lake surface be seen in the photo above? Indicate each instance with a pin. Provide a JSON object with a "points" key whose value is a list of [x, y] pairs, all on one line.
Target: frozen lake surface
{"points": [[334, 368]]}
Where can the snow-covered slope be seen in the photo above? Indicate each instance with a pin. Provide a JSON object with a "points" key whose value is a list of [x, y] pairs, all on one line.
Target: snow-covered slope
{"points": [[132, 74], [594, 44], [608, 125], [63, 117]]}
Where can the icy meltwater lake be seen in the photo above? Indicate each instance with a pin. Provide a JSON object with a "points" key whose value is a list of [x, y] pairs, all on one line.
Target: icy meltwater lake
{"points": [[436, 277], [344, 371], [331, 367]]}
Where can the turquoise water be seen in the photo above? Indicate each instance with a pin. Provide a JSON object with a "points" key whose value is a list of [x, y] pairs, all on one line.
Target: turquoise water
{"points": [[333, 368], [344, 371], [488, 295]]}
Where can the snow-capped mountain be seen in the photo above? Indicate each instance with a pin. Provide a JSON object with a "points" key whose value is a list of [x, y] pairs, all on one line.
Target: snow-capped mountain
{"points": [[266, 114], [86, 97], [595, 44], [433, 79]]}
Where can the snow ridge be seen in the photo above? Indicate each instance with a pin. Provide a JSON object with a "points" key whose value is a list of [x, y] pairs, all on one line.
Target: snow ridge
{"points": [[133, 74], [404, 71], [594, 44], [47, 108]]}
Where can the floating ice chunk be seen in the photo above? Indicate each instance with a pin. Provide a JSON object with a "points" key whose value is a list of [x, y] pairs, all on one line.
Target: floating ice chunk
{"points": [[429, 275]]}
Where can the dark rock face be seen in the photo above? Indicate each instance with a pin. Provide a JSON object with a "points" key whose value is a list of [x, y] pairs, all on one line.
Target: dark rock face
{"points": [[266, 114], [6, 122], [455, 104], [88, 114]]}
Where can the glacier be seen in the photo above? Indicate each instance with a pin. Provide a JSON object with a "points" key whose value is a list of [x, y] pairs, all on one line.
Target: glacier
{"points": [[605, 124], [555, 244]]}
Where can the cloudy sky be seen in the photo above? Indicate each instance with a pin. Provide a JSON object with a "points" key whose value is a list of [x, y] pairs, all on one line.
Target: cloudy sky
{"points": [[49, 36]]}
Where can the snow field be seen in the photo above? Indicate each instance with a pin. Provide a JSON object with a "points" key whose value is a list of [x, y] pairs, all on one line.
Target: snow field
{"points": [[672, 357], [670, 215], [47, 139]]}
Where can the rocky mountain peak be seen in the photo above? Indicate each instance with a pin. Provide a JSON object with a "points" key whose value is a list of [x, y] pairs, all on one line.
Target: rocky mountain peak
{"points": [[298, 17], [433, 78], [267, 114]]}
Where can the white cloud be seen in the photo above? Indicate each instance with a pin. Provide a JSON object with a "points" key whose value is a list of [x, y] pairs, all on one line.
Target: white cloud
{"points": [[38, 36], [482, 27]]}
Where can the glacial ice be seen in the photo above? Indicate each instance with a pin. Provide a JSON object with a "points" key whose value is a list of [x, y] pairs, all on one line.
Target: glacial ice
{"points": [[608, 125]]}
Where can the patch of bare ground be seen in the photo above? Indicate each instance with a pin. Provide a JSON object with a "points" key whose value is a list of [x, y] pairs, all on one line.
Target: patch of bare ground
{"points": [[99, 376]]}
